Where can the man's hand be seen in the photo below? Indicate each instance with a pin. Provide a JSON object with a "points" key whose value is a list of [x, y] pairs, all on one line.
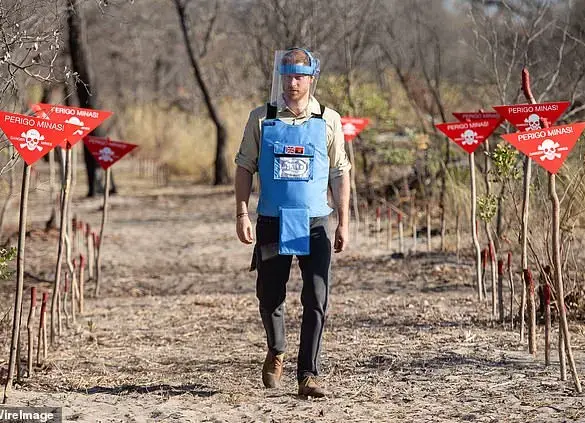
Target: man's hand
{"points": [[341, 238], [244, 229]]}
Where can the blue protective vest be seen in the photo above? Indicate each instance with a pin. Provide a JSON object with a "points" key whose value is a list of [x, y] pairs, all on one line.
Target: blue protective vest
{"points": [[293, 167]]}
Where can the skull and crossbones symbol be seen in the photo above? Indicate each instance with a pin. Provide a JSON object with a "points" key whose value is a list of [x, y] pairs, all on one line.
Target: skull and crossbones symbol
{"points": [[549, 150], [106, 155], [32, 138], [469, 137], [532, 122]]}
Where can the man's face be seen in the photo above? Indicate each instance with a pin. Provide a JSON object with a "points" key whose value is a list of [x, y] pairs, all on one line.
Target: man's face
{"points": [[295, 86]]}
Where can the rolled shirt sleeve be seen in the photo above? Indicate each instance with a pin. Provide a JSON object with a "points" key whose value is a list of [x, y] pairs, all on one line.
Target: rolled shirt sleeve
{"points": [[247, 156], [338, 161]]}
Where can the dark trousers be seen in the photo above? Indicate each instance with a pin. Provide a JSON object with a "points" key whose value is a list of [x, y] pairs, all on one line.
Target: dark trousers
{"points": [[273, 274]]}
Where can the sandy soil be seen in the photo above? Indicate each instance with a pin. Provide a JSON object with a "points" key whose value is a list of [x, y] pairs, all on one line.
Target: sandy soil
{"points": [[175, 335]]}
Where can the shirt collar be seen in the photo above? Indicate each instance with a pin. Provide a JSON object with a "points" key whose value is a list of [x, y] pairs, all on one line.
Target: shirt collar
{"points": [[313, 108]]}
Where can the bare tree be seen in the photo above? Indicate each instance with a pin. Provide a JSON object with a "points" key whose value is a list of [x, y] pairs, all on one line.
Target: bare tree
{"points": [[221, 172]]}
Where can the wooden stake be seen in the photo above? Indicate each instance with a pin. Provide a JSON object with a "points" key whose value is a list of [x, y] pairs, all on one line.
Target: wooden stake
{"points": [[525, 208], [529, 283], [354, 196], [62, 233], [389, 229], [547, 320], [474, 228], [81, 284], [511, 280], [561, 350], [101, 237], [458, 234], [90, 254], [560, 290], [29, 330], [15, 341], [414, 237], [501, 290], [400, 233], [42, 330], [429, 247], [378, 224]]}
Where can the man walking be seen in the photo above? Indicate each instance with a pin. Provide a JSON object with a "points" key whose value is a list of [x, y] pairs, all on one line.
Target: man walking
{"points": [[297, 147]]}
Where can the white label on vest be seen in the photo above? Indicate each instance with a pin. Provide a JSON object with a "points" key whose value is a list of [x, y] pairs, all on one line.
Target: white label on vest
{"points": [[294, 167]]}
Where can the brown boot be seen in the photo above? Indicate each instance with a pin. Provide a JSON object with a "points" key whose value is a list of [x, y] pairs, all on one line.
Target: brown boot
{"points": [[272, 370], [309, 387]]}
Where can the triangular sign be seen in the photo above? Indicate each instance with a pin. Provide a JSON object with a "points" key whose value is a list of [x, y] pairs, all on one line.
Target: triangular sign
{"points": [[467, 116], [469, 135], [352, 126], [548, 147], [106, 151], [31, 136], [528, 117], [85, 120]]}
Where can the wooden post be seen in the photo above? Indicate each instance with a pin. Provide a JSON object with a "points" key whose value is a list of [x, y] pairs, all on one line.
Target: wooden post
{"points": [[378, 224], [65, 299], [29, 330], [511, 280], [414, 237], [101, 237], [560, 290], [501, 290], [42, 330], [389, 229], [474, 228], [429, 247], [15, 341], [525, 208], [90, 253], [529, 283], [366, 221], [81, 284], [400, 232], [354, 196], [458, 233], [547, 320], [62, 233]]}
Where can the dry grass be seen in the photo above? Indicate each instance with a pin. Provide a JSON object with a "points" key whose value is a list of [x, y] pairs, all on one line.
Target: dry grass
{"points": [[186, 142]]}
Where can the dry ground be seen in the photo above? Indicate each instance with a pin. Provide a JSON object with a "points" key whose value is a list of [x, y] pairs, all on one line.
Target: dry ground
{"points": [[176, 336]]}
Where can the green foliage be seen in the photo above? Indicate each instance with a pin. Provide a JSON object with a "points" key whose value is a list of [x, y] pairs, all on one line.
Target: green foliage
{"points": [[399, 156], [505, 157], [6, 255], [487, 207]]}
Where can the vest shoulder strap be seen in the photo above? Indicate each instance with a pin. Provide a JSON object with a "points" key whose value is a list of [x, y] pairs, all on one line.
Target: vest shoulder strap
{"points": [[320, 116], [270, 111]]}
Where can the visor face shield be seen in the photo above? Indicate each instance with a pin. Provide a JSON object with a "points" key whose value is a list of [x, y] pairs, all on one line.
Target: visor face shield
{"points": [[292, 77]]}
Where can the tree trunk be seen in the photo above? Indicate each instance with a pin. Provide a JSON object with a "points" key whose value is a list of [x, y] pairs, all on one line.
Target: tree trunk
{"points": [[220, 167], [86, 91]]}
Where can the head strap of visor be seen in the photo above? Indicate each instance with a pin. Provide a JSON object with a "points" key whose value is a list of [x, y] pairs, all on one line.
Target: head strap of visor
{"points": [[298, 69]]}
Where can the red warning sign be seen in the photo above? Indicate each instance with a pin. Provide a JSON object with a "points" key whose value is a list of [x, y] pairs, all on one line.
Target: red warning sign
{"points": [[106, 151], [85, 120], [469, 135], [31, 136], [548, 147], [352, 126], [529, 117], [466, 116]]}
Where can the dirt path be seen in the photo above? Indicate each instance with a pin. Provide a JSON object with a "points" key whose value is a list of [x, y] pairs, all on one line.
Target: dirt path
{"points": [[176, 337]]}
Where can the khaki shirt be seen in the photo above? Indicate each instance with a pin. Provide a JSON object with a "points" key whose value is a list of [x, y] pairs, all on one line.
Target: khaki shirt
{"points": [[247, 156]]}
